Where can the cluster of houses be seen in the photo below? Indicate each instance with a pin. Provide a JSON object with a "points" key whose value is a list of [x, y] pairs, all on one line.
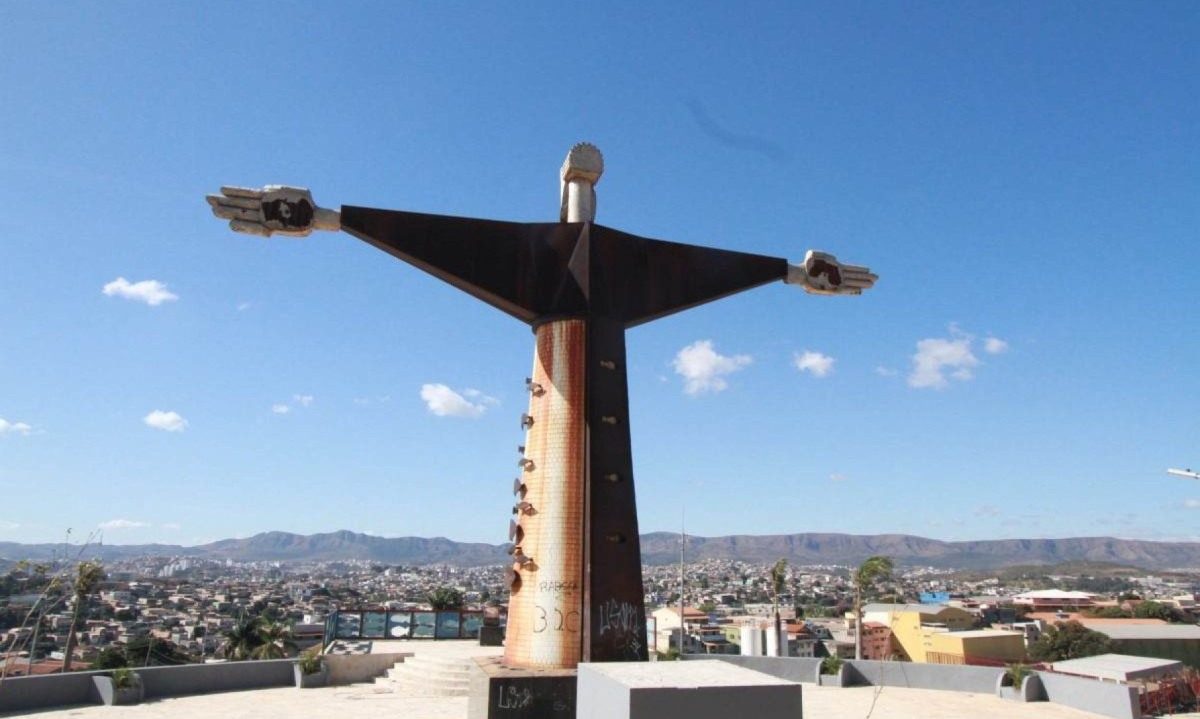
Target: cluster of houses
{"points": [[729, 607], [191, 603], [986, 630]]}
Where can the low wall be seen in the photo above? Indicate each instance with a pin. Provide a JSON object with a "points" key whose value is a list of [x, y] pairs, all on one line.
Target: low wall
{"points": [[942, 677], [23, 694], [216, 677], [19, 694], [1119, 701], [794, 669]]}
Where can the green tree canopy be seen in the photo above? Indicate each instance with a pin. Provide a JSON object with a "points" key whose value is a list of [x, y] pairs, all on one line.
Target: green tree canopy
{"points": [[870, 573], [1109, 613], [242, 639], [445, 598], [111, 658], [1157, 610], [1068, 640], [154, 652], [778, 582], [276, 641]]}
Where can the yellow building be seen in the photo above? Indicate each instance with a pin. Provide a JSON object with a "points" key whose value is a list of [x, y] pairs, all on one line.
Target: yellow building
{"points": [[935, 633], [942, 647]]}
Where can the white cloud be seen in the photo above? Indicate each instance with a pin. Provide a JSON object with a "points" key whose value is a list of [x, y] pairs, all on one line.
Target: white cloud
{"points": [[1191, 503], [987, 510], [303, 400], [166, 421], [7, 427], [837, 477], [480, 397], [6, 525], [122, 524], [152, 292], [702, 368], [885, 372], [172, 525], [937, 358], [445, 402], [242, 307], [280, 408], [995, 346], [818, 364]]}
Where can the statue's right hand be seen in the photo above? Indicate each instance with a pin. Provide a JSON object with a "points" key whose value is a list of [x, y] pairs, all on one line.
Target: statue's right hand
{"points": [[275, 209]]}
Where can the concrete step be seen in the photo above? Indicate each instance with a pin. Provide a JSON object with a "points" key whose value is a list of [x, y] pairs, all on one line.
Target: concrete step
{"points": [[446, 662], [428, 670], [427, 676]]}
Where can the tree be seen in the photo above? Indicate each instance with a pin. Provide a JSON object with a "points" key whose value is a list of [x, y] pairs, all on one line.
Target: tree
{"points": [[242, 639], [778, 582], [151, 651], [88, 576], [1068, 640], [870, 573], [1109, 613], [1151, 609], [445, 598], [111, 658], [276, 641]]}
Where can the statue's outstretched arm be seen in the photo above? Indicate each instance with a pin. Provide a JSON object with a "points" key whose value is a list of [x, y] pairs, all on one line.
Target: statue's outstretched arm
{"points": [[822, 274], [275, 209]]}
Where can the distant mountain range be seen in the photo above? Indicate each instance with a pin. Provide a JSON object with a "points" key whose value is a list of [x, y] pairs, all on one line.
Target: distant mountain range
{"points": [[663, 548]]}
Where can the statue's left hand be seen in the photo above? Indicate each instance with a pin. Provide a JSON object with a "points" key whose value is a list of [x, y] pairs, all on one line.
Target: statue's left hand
{"points": [[275, 209], [822, 274]]}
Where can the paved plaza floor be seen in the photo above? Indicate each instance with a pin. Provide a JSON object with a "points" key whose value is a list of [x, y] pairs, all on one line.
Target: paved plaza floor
{"points": [[361, 701]]}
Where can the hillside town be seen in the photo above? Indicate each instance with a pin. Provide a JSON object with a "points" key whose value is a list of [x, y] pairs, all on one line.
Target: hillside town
{"points": [[164, 610]]}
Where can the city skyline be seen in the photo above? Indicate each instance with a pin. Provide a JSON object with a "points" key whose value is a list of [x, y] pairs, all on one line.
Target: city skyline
{"points": [[1023, 179]]}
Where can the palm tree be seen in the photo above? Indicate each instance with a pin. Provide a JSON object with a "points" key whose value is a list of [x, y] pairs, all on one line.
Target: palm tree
{"points": [[778, 581], [87, 578], [276, 638], [869, 573], [242, 639]]}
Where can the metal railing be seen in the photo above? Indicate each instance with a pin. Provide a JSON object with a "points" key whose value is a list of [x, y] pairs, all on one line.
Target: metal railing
{"points": [[360, 624]]}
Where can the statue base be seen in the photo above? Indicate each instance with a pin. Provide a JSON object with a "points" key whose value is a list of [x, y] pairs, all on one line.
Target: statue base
{"points": [[501, 692]]}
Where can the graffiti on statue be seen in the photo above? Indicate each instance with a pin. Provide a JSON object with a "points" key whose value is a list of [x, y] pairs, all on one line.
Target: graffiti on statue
{"points": [[555, 620], [621, 626]]}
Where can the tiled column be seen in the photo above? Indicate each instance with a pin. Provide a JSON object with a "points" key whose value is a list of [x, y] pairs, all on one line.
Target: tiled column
{"points": [[545, 608]]}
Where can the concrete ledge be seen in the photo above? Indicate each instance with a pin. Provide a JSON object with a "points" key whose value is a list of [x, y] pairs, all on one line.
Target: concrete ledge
{"points": [[1119, 701], [942, 677], [25, 693], [793, 669], [1113, 700], [697, 690]]}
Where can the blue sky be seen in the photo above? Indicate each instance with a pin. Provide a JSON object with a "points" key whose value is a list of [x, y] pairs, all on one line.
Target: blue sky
{"points": [[1024, 177]]}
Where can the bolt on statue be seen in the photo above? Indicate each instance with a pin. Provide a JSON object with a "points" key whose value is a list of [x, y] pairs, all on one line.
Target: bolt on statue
{"points": [[575, 579]]}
